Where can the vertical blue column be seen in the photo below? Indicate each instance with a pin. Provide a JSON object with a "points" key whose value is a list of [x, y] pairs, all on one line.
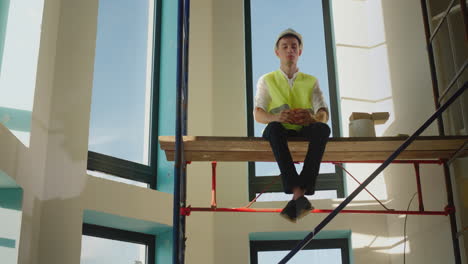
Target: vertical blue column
{"points": [[167, 90], [168, 85]]}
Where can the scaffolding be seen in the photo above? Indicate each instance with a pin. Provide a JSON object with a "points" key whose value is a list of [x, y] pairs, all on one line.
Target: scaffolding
{"points": [[442, 102]]}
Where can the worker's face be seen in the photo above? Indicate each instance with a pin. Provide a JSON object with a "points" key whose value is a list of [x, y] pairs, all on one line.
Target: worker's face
{"points": [[288, 50]]}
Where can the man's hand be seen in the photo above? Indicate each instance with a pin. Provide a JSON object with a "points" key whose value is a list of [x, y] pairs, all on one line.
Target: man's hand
{"points": [[322, 115], [303, 117], [263, 117], [295, 116], [285, 116]]}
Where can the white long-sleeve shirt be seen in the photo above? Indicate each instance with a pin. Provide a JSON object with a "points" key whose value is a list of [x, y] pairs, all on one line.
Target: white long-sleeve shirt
{"points": [[263, 98]]}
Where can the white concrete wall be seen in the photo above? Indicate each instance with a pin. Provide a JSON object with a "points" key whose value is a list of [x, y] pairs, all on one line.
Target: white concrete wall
{"points": [[200, 227], [362, 60]]}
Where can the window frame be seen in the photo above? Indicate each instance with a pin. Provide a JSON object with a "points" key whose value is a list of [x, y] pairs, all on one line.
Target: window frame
{"points": [[128, 169], [326, 181], [277, 245], [125, 236]]}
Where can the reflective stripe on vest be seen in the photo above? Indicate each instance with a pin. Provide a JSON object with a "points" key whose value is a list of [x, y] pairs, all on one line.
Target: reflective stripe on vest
{"points": [[283, 97]]}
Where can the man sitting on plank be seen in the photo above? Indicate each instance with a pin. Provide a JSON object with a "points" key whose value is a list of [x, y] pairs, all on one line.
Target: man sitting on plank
{"points": [[292, 105]]}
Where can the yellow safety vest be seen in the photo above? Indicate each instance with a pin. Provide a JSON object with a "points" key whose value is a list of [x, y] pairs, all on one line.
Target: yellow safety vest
{"points": [[283, 97]]}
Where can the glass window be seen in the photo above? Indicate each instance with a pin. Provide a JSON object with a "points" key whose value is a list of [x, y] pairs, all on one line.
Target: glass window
{"points": [[117, 179], [331, 251], [123, 117], [108, 245], [329, 256], [312, 20], [120, 110], [96, 250], [11, 197], [20, 31]]}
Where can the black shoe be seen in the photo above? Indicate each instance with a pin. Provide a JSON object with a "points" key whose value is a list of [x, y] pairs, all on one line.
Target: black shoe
{"points": [[303, 207], [289, 211]]}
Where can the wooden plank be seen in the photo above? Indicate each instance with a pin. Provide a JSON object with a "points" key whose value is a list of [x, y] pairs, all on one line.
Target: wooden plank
{"points": [[299, 156], [338, 149], [334, 144]]}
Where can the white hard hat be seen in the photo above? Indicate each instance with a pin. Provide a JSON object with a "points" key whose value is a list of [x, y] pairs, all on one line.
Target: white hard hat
{"points": [[289, 32]]}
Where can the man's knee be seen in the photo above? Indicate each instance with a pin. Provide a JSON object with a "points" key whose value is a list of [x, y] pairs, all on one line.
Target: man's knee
{"points": [[273, 129], [318, 129], [275, 125], [324, 129]]}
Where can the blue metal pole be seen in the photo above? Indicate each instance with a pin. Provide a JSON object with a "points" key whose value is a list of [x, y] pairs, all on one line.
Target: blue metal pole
{"points": [[184, 114], [178, 256], [178, 146], [361, 187]]}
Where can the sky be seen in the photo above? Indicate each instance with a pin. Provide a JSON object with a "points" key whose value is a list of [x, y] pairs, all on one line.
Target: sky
{"points": [[117, 123], [19, 60]]}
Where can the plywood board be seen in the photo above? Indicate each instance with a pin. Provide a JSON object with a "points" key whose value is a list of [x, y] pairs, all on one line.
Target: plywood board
{"points": [[338, 149]]}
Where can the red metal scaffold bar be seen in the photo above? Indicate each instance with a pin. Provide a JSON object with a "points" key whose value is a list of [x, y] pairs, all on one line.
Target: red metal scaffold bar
{"points": [[213, 184], [418, 184], [186, 211]]}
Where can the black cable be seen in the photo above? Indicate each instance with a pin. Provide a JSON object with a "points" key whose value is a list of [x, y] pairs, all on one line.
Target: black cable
{"points": [[404, 229]]}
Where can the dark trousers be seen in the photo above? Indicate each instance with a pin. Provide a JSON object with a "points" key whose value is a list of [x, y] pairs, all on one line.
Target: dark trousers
{"points": [[317, 134]]}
